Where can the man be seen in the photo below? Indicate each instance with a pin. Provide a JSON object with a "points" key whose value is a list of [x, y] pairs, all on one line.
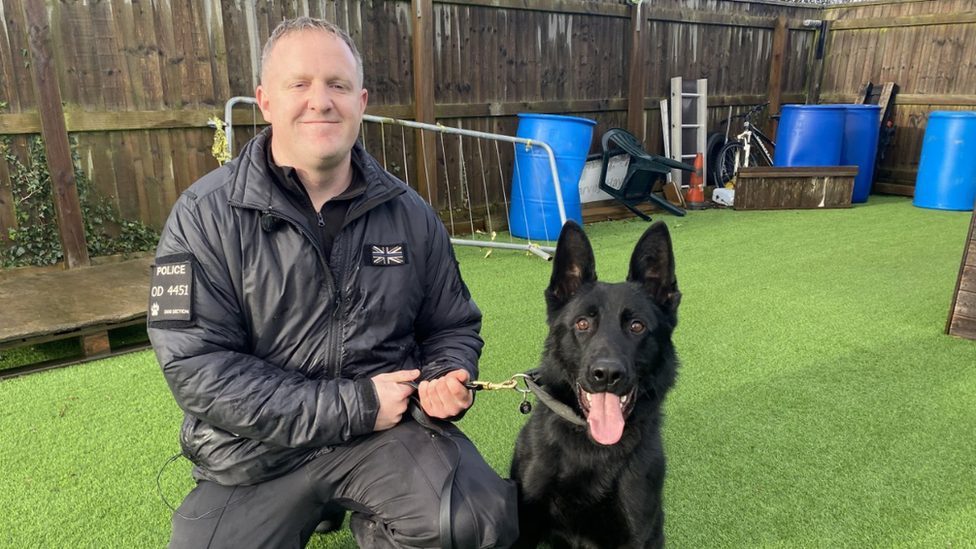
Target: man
{"points": [[301, 297]]}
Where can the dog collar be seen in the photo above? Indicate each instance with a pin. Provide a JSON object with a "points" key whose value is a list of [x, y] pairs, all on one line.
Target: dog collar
{"points": [[544, 397]]}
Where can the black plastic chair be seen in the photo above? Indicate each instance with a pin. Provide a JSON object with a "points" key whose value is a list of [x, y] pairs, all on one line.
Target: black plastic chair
{"points": [[643, 172]]}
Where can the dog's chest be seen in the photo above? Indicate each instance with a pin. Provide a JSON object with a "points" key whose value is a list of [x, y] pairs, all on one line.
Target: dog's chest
{"points": [[594, 515], [579, 475]]}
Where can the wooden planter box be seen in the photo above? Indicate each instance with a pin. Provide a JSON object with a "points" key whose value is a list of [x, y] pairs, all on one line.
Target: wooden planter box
{"points": [[794, 188]]}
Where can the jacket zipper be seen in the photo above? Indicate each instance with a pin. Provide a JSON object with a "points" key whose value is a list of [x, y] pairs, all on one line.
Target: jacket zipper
{"points": [[311, 238], [334, 345], [335, 354], [332, 357]]}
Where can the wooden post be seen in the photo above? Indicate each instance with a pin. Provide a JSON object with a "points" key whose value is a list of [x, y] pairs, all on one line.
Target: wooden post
{"points": [[637, 88], [962, 312], [55, 135], [817, 65], [776, 72], [423, 91], [95, 345]]}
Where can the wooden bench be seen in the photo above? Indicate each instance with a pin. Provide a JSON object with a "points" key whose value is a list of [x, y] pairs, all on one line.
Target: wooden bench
{"points": [[41, 305]]}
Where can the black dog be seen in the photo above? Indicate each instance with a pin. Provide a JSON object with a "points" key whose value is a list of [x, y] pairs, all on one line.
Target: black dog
{"points": [[608, 357]]}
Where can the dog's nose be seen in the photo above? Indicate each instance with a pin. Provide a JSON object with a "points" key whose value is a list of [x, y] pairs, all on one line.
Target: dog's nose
{"points": [[605, 374]]}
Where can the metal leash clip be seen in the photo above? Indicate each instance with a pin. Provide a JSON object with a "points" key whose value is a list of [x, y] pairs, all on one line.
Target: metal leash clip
{"points": [[511, 383], [478, 385], [525, 407]]}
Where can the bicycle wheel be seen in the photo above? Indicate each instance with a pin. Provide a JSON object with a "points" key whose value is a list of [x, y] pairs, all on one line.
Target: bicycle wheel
{"points": [[713, 146], [731, 158]]}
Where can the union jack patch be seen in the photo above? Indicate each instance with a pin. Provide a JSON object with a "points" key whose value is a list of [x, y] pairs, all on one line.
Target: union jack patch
{"points": [[387, 255]]}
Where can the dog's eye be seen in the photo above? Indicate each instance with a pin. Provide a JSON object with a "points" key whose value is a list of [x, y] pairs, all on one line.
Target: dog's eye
{"points": [[583, 324], [637, 326]]}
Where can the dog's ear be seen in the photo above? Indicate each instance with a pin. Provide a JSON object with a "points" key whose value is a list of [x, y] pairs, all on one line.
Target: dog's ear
{"points": [[573, 265], [652, 266]]}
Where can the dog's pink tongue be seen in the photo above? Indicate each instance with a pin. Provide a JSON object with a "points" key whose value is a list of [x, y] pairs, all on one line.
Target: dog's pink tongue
{"points": [[605, 419]]}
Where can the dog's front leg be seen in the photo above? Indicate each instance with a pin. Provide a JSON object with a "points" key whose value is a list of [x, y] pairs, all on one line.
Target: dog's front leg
{"points": [[642, 505], [533, 525]]}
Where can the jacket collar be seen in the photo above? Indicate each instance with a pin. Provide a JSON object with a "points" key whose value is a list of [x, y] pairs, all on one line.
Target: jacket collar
{"points": [[254, 188]]}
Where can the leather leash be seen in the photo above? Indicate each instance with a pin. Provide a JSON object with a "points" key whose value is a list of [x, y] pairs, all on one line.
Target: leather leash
{"points": [[446, 527], [448, 540], [560, 409]]}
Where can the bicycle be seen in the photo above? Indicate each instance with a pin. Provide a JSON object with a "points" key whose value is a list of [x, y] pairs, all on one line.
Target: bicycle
{"points": [[748, 149]]}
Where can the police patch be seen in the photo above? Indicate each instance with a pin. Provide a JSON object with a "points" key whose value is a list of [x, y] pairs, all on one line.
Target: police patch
{"points": [[385, 255], [171, 292]]}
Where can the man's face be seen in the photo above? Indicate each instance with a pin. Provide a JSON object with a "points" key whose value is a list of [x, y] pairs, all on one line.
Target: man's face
{"points": [[312, 96]]}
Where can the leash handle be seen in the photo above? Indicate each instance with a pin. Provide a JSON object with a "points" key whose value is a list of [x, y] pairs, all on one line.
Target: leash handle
{"points": [[444, 513]]}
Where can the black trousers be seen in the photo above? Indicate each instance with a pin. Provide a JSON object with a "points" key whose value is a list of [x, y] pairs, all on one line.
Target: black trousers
{"points": [[390, 480]]}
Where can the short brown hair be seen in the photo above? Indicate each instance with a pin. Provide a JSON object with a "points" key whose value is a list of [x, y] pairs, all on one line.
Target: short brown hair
{"points": [[289, 26]]}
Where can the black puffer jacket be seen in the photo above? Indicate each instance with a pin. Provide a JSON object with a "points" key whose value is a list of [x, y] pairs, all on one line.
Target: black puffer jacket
{"points": [[273, 365]]}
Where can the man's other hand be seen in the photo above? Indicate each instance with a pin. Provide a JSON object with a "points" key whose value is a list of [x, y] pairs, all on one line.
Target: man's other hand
{"points": [[393, 395], [446, 396]]}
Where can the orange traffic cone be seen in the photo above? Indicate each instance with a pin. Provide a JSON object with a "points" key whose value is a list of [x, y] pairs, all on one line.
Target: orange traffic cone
{"points": [[695, 198]]}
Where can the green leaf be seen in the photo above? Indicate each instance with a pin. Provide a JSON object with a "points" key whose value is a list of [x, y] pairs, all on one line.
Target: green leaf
{"points": [[37, 237]]}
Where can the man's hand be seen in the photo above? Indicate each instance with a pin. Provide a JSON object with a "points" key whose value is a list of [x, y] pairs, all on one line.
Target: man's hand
{"points": [[393, 395], [446, 396]]}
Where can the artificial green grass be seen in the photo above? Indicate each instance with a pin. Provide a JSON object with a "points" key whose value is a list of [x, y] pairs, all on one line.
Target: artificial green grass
{"points": [[67, 348], [42, 352], [819, 403]]}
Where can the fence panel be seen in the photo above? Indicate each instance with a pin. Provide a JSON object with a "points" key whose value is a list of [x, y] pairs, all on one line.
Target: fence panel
{"points": [[140, 79], [927, 48]]}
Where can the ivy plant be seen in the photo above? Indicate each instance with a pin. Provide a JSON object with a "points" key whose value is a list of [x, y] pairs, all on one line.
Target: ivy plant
{"points": [[36, 241]]}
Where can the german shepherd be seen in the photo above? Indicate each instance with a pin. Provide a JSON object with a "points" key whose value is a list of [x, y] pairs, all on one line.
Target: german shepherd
{"points": [[608, 357]]}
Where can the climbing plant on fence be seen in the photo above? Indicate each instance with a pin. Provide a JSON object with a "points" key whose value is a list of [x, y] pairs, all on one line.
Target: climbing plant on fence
{"points": [[35, 241]]}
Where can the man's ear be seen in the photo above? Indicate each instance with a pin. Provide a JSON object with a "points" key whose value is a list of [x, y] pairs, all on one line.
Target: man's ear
{"points": [[572, 267], [364, 99], [264, 102]]}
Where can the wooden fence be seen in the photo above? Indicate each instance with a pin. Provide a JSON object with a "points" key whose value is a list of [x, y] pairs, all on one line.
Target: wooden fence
{"points": [[139, 80], [927, 48]]}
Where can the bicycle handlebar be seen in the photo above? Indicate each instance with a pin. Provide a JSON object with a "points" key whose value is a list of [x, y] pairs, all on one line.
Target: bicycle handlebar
{"points": [[747, 114]]}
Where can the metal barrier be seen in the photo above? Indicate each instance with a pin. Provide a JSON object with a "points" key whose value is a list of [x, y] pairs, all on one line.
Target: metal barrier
{"points": [[541, 251]]}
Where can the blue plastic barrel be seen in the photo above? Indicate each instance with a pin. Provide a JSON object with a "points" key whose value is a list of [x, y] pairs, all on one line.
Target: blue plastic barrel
{"points": [[859, 146], [809, 135], [534, 211], [947, 169]]}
